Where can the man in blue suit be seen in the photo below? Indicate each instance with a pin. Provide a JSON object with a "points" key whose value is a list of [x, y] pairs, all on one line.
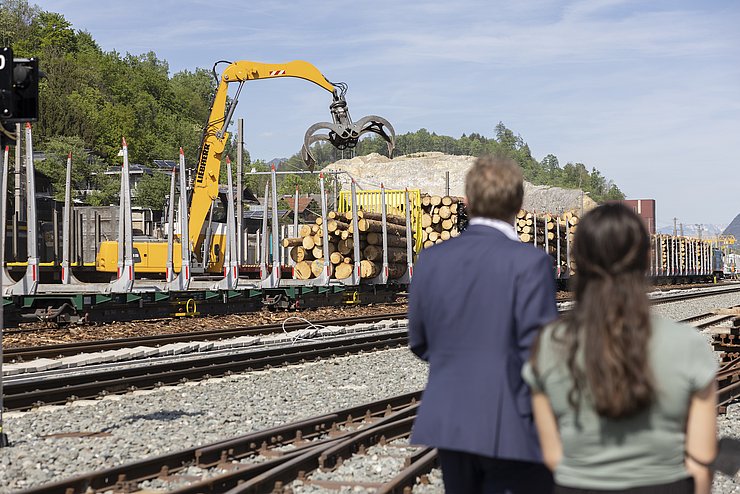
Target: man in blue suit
{"points": [[476, 305]]}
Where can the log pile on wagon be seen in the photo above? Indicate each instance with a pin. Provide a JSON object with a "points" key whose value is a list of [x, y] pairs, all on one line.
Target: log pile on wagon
{"points": [[442, 218], [679, 255], [551, 232], [308, 253]]}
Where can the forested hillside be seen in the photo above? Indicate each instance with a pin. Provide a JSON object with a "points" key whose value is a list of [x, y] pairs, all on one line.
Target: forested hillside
{"points": [[91, 98]]}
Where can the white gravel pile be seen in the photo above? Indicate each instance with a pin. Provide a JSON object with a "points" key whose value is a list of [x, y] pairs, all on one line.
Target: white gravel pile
{"points": [[152, 423], [427, 171]]}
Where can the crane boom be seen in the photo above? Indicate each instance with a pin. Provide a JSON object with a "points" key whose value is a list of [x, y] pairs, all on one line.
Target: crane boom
{"points": [[341, 132], [205, 183]]}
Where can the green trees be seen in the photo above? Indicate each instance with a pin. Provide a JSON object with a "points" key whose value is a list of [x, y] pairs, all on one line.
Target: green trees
{"points": [[88, 177], [307, 184], [152, 190]]}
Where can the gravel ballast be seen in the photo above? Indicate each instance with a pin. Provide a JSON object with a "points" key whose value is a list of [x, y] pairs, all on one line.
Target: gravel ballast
{"points": [[153, 423], [696, 306], [146, 424]]}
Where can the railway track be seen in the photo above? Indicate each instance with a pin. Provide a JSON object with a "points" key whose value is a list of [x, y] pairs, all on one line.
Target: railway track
{"points": [[706, 292], [59, 350], [57, 387], [263, 460], [67, 349], [707, 319], [310, 452], [52, 387], [728, 384]]}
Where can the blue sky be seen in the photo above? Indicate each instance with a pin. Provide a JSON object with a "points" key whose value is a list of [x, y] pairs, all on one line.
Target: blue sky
{"points": [[646, 91]]}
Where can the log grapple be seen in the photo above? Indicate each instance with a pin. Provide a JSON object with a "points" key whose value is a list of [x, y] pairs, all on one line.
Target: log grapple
{"points": [[343, 133]]}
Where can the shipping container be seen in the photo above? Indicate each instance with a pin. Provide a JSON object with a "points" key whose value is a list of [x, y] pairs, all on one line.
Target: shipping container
{"points": [[645, 208]]}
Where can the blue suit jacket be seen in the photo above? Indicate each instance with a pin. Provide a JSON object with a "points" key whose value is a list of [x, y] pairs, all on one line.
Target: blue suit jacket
{"points": [[476, 304]]}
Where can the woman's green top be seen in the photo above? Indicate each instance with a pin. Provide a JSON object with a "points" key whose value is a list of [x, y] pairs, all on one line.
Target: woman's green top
{"points": [[642, 450]]}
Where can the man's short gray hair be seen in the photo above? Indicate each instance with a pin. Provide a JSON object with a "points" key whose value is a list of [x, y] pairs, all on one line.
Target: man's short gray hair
{"points": [[494, 187]]}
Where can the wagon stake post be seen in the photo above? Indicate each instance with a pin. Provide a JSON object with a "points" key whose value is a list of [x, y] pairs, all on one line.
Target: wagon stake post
{"points": [[4, 441]]}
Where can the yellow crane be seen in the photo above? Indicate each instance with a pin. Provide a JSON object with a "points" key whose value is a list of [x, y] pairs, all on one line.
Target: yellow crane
{"points": [[342, 132]]}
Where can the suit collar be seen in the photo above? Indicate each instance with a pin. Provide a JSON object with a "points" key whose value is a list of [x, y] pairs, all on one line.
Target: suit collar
{"points": [[485, 230], [503, 227]]}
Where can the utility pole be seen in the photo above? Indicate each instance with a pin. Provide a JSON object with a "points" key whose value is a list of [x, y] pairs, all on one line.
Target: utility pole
{"points": [[700, 228], [681, 229], [447, 182], [240, 196], [674, 226]]}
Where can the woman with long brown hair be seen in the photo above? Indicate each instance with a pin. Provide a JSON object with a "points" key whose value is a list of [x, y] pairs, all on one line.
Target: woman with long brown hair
{"points": [[624, 401]]}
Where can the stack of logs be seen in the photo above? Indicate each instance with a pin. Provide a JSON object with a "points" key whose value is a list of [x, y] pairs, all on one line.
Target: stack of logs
{"points": [[440, 219], [542, 229], [681, 255], [307, 249]]}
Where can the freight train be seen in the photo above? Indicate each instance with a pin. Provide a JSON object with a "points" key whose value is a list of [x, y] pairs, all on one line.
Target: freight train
{"points": [[48, 273], [50, 287], [272, 278]]}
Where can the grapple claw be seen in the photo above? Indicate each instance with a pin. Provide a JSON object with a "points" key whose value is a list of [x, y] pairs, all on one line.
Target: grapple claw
{"points": [[380, 126], [343, 133], [306, 155]]}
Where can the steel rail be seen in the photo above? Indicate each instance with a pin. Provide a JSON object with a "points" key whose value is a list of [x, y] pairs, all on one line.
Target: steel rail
{"points": [[332, 455], [319, 445], [680, 297], [392, 427], [24, 394], [419, 465], [728, 392], [712, 319], [322, 431], [66, 349]]}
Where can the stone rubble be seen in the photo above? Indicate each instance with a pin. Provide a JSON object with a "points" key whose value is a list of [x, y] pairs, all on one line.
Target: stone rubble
{"points": [[427, 171]]}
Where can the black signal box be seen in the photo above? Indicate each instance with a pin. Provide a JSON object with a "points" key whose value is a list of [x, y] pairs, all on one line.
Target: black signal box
{"points": [[19, 88], [6, 83]]}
